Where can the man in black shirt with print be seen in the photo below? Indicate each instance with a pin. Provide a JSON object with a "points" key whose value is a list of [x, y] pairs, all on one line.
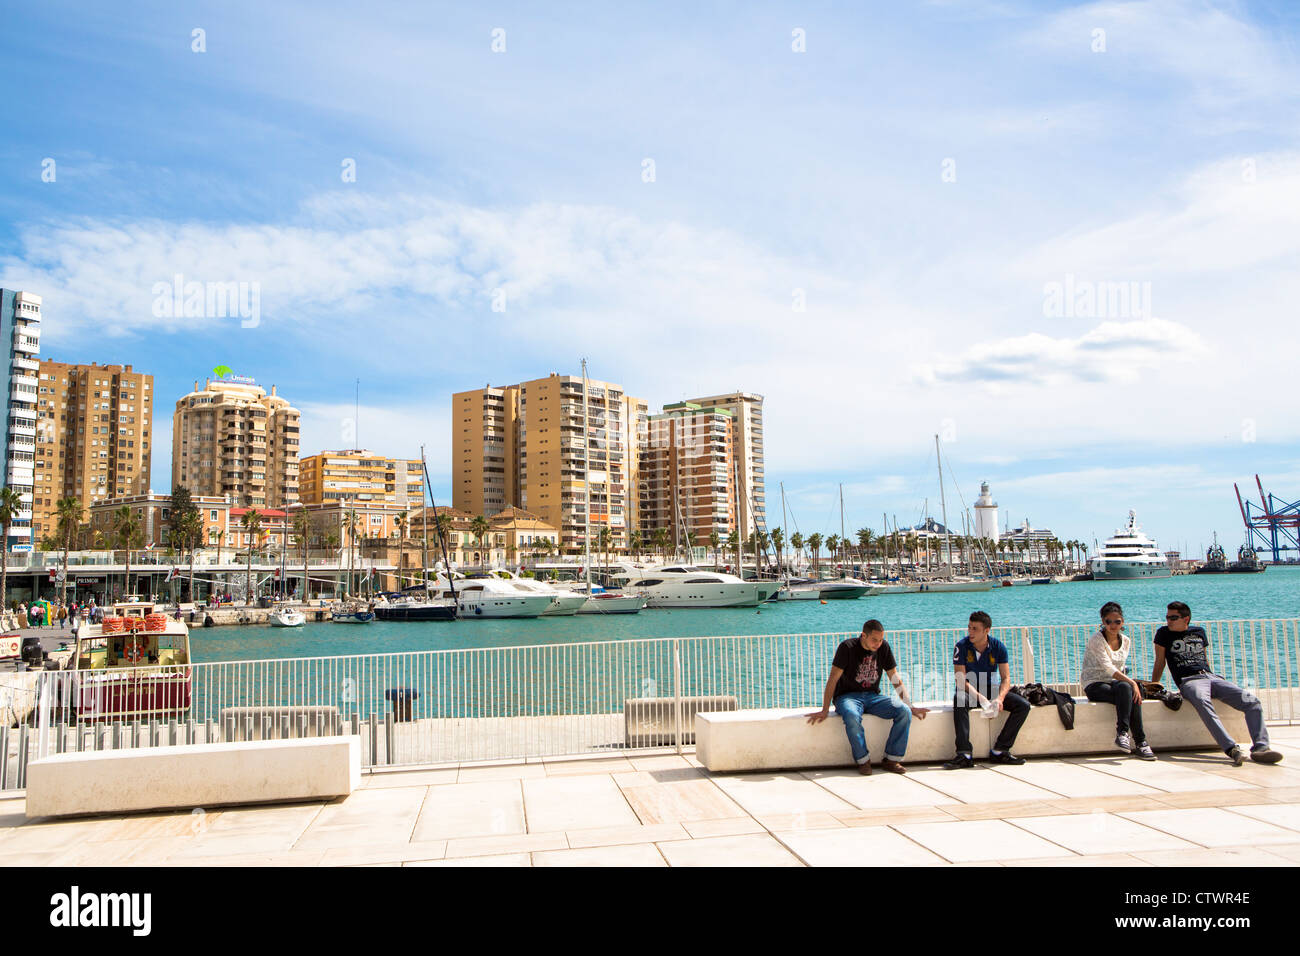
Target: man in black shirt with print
{"points": [[854, 687], [1184, 646]]}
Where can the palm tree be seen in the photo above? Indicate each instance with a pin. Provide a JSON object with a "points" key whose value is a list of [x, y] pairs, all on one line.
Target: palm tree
{"points": [[815, 545], [760, 547], [733, 544], [251, 522], [661, 541], [302, 528], [603, 540], [68, 511], [187, 529], [796, 545], [401, 521], [127, 529], [633, 543], [715, 541], [866, 538], [11, 505], [778, 541], [832, 546], [479, 528]]}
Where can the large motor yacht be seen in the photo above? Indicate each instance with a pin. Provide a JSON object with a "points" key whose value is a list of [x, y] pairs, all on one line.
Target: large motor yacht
{"points": [[1129, 554], [684, 585], [487, 596], [563, 601]]}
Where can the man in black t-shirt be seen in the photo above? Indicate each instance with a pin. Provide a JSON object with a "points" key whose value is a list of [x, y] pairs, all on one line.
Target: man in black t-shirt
{"points": [[1184, 647], [854, 688]]}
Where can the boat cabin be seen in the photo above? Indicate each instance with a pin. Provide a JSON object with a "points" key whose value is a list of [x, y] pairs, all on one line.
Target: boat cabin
{"points": [[134, 634]]}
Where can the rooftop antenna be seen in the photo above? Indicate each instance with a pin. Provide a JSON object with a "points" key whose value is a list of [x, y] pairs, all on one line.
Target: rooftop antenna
{"points": [[356, 419]]}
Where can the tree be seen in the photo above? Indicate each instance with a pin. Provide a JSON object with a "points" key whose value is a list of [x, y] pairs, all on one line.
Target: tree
{"points": [[251, 522], [661, 542], [68, 511], [479, 528], [633, 544], [715, 540], [796, 544], [401, 521], [832, 545], [603, 540], [866, 537], [11, 505], [778, 542], [187, 526], [127, 528], [303, 528], [815, 545]]}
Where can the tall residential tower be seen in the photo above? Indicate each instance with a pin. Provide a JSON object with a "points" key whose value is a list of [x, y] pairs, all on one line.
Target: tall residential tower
{"points": [[20, 326]]}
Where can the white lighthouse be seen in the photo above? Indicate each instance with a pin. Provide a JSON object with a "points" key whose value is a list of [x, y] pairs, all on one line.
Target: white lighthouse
{"points": [[986, 515]]}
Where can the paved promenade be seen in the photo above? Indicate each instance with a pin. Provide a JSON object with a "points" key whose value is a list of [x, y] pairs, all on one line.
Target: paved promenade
{"points": [[1187, 809]]}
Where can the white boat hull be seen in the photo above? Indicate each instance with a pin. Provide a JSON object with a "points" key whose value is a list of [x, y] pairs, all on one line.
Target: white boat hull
{"points": [[946, 586], [565, 605], [725, 594], [613, 604], [799, 594], [498, 606]]}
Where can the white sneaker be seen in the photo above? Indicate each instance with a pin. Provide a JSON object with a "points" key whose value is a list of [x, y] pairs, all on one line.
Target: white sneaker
{"points": [[1123, 743], [1146, 753]]}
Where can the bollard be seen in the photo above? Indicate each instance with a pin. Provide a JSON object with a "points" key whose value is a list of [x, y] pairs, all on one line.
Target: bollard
{"points": [[81, 738], [356, 725], [284, 726], [116, 738], [302, 725], [248, 727], [266, 726], [153, 732], [173, 733], [390, 738], [191, 732], [374, 740], [22, 756]]}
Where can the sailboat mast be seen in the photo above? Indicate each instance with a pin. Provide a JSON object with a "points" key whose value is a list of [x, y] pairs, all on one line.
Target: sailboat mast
{"points": [[442, 540], [943, 503], [784, 519], [844, 549], [424, 552], [586, 482]]}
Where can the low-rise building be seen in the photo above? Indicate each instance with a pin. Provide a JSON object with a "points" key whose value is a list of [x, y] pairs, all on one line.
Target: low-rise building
{"points": [[361, 476]]}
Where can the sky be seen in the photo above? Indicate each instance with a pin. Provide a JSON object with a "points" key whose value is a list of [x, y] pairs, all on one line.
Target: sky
{"points": [[1061, 237]]}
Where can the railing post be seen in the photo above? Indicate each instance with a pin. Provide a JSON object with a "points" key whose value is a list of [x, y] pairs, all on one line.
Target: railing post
{"points": [[42, 714], [1027, 654], [677, 694]]}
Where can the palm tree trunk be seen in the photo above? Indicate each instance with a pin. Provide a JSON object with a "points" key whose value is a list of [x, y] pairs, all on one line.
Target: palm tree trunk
{"points": [[4, 569]]}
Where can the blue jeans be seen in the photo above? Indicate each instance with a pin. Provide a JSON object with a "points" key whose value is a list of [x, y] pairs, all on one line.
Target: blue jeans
{"points": [[851, 707], [1201, 690]]}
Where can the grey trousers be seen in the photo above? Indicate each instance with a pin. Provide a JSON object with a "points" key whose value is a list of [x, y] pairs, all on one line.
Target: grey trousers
{"points": [[1202, 690]]}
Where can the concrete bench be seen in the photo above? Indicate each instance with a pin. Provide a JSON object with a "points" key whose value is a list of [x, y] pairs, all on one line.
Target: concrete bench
{"points": [[196, 775], [278, 723], [649, 721], [783, 739]]}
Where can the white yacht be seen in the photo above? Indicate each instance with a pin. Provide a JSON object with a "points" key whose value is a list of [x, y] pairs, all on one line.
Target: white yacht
{"points": [[563, 601], [492, 597], [598, 600], [286, 615], [684, 585], [1129, 554]]}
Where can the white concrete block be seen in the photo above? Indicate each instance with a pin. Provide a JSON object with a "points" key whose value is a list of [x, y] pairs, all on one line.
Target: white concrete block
{"points": [[1094, 729], [199, 775], [783, 739]]}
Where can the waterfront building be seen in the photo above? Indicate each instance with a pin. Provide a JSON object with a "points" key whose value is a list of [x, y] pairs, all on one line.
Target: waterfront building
{"points": [[986, 515], [524, 446], [688, 482], [746, 409], [20, 326], [153, 514], [232, 438], [94, 440], [360, 475]]}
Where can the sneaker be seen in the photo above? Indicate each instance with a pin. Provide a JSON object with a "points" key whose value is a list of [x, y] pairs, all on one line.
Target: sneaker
{"points": [[960, 762], [893, 766], [1123, 742], [1236, 756], [1145, 752], [865, 768], [1265, 755], [1007, 757]]}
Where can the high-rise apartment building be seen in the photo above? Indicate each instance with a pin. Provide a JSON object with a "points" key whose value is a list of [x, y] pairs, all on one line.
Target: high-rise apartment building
{"points": [[94, 426], [524, 446], [746, 410], [20, 327], [688, 483], [232, 438], [360, 475]]}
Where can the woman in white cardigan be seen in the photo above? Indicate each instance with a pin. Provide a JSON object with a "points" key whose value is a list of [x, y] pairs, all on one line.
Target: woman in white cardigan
{"points": [[1105, 682]]}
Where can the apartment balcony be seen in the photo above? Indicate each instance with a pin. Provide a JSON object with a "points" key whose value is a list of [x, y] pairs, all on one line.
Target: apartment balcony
{"points": [[27, 344], [25, 363]]}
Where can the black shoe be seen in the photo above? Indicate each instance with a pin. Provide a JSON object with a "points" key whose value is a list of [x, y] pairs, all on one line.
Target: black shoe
{"points": [[960, 762], [1236, 756], [1265, 755], [1007, 757]]}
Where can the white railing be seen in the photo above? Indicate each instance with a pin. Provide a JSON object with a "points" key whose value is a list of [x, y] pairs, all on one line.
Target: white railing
{"points": [[509, 703]]}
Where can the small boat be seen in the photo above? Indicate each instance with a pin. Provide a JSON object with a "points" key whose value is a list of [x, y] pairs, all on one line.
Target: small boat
{"points": [[799, 592], [895, 588], [134, 664], [286, 616], [1247, 561], [955, 584], [601, 601], [843, 589], [353, 612], [414, 604], [1046, 580], [1216, 562]]}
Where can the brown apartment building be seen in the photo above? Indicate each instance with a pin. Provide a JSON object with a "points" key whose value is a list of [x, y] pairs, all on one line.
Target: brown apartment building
{"points": [[688, 483], [232, 438], [524, 446], [94, 427]]}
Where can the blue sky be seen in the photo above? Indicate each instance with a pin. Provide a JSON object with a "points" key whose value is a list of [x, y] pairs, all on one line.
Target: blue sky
{"points": [[919, 178]]}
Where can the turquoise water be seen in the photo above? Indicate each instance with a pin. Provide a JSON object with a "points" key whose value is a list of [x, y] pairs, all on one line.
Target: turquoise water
{"points": [[1273, 594]]}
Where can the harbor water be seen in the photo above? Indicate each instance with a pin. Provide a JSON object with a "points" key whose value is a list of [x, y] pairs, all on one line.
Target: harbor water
{"points": [[1273, 594]]}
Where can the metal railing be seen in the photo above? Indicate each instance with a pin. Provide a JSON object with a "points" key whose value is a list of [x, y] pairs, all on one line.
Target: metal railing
{"points": [[432, 707]]}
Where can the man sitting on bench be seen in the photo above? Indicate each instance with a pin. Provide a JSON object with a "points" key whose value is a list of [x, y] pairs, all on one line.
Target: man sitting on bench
{"points": [[975, 658], [1184, 646], [854, 686]]}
